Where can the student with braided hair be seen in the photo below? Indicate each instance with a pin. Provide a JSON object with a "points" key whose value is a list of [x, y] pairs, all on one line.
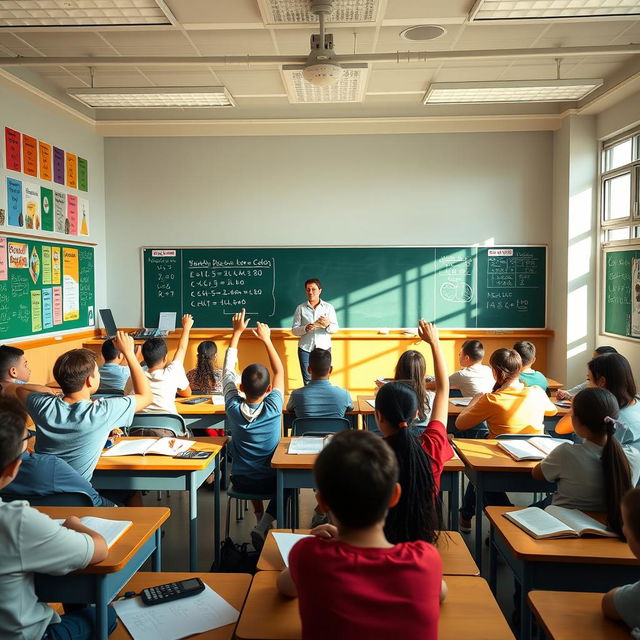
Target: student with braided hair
{"points": [[206, 378]]}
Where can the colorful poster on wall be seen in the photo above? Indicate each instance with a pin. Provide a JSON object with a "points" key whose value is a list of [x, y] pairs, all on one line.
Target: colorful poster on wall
{"points": [[31, 205], [83, 174], [47, 308], [72, 215], [4, 272], [83, 216], [34, 265], [57, 305], [55, 265], [44, 154], [46, 265], [59, 211], [14, 202], [58, 165], [18, 255], [46, 208], [30, 155], [72, 170], [635, 298], [70, 284], [12, 149], [36, 310]]}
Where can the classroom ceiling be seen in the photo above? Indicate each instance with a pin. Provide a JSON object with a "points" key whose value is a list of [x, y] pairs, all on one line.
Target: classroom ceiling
{"points": [[394, 88]]}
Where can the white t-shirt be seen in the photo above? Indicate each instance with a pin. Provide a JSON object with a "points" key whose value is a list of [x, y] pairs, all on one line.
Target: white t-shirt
{"points": [[478, 378], [164, 383], [31, 542]]}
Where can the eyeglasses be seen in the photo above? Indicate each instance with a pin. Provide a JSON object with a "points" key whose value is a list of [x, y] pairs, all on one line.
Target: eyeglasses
{"points": [[30, 434]]}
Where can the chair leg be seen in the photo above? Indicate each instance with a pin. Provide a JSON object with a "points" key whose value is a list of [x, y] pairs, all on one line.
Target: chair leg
{"points": [[228, 523], [158, 496]]}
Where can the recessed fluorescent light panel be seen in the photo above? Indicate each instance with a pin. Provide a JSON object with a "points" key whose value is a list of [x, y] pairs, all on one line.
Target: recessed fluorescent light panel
{"points": [[84, 13], [152, 97], [299, 11], [509, 91], [349, 88], [551, 9]]}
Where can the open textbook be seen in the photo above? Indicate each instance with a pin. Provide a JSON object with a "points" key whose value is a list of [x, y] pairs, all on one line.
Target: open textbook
{"points": [[308, 444], [532, 448], [144, 446], [557, 522], [110, 530]]}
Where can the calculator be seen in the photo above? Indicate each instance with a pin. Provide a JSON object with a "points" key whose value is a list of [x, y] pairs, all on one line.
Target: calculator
{"points": [[171, 591], [195, 455], [195, 400]]}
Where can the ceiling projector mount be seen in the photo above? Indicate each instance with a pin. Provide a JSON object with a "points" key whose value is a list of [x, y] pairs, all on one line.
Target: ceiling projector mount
{"points": [[321, 68]]}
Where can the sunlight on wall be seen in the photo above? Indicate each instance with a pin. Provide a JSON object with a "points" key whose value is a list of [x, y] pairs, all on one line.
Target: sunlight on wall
{"points": [[579, 263], [580, 221], [577, 317]]}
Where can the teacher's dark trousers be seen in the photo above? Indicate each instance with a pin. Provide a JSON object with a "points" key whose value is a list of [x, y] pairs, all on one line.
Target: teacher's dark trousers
{"points": [[303, 358]]}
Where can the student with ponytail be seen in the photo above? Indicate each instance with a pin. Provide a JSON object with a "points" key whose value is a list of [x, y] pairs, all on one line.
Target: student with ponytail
{"points": [[596, 474], [206, 378], [411, 368]]}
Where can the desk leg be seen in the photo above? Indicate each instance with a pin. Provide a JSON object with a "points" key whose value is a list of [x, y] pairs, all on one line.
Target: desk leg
{"points": [[454, 503], [479, 501], [216, 515], [493, 562], [280, 499], [157, 554], [525, 611], [193, 523], [102, 618]]}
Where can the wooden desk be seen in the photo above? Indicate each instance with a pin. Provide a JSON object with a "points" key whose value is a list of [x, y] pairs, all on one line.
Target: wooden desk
{"points": [[489, 468], [203, 415], [296, 472], [568, 564], [470, 611], [101, 582], [233, 587], [456, 559], [566, 616], [150, 473]]}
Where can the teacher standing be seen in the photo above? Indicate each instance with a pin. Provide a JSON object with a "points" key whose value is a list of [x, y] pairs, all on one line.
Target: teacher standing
{"points": [[313, 322]]}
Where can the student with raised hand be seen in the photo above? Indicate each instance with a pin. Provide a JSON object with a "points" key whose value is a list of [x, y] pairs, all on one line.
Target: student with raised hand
{"points": [[31, 542], [206, 378], [621, 603], [351, 581], [254, 422], [527, 352], [567, 394], [593, 475]]}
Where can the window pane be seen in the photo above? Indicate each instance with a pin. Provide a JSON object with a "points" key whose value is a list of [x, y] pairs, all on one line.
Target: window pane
{"points": [[636, 232], [618, 155], [617, 197], [616, 234]]}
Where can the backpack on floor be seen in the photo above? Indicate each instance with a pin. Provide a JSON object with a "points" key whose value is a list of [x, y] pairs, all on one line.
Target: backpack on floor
{"points": [[236, 558]]}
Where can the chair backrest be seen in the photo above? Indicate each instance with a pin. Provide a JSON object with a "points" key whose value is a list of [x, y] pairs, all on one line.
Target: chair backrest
{"points": [[171, 421], [319, 426], [106, 392], [73, 499], [521, 436]]}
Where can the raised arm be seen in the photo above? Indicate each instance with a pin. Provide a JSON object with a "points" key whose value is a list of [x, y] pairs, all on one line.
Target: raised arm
{"points": [[22, 391], [263, 333], [183, 343], [429, 333], [239, 323], [141, 390]]}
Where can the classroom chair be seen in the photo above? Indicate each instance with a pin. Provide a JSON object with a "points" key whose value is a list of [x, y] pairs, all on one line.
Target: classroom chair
{"points": [[106, 392], [319, 426], [240, 497], [72, 499], [170, 421]]}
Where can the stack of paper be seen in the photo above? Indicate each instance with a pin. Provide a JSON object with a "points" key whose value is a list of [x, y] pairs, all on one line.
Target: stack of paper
{"points": [[307, 444], [286, 542]]}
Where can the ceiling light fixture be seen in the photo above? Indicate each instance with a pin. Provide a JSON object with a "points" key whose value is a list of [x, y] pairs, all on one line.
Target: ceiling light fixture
{"points": [[321, 68], [350, 87], [484, 10]]}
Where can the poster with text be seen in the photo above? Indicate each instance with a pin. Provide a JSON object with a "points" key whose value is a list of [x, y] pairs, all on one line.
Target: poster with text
{"points": [[635, 298], [59, 211], [36, 310], [57, 305], [46, 208], [72, 170], [70, 284], [72, 215], [14, 202], [58, 165], [83, 216], [30, 155], [56, 265], [46, 265], [47, 308], [12, 149], [4, 272], [34, 265], [18, 255], [31, 205], [83, 174], [44, 154]]}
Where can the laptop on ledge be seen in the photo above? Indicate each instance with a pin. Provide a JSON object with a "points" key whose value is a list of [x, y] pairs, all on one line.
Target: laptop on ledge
{"points": [[109, 323]]}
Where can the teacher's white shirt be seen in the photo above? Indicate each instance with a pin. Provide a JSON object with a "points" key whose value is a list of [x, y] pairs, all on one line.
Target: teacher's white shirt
{"points": [[318, 338]]}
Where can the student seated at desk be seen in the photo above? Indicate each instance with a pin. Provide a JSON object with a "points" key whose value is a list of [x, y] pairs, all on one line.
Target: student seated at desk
{"points": [[567, 394], [253, 422], [319, 398], [473, 376], [14, 369], [165, 380], [593, 475], [351, 581], [206, 378], [114, 373], [623, 603], [527, 352], [31, 542]]}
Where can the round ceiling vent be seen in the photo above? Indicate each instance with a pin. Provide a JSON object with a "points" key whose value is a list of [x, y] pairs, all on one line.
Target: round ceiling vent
{"points": [[423, 32]]}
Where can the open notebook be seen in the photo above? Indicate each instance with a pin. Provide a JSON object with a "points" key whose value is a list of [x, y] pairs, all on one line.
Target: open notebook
{"points": [[144, 446], [110, 530], [308, 444], [557, 522], [532, 448], [286, 542]]}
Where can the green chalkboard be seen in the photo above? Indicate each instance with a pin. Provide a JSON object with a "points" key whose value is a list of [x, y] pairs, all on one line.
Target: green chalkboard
{"points": [[619, 281], [459, 287], [45, 287]]}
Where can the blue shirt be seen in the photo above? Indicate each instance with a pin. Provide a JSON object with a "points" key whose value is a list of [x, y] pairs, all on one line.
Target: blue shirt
{"points": [[42, 475], [320, 399], [534, 378], [630, 433], [77, 432], [113, 376]]}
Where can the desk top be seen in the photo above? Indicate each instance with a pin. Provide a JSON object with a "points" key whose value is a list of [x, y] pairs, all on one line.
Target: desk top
{"points": [[486, 455], [145, 521], [456, 559], [569, 550], [267, 615], [566, 616], [163, 463], [233, 587]]}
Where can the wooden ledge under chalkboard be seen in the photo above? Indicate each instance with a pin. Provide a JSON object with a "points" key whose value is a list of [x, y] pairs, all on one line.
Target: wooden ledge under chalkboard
{"points": [[49, 339]]}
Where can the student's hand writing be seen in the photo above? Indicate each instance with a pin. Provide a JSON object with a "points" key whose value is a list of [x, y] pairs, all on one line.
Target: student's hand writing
{"points": [[561, 394], [124, 343], [262, 331], [116, 434], [428, 332], [239, 322], [187, 321], [325, 531], [72, 522]]}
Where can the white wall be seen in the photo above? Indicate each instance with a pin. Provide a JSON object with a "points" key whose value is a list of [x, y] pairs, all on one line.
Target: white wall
{"points": [[354, 190], [28, 113]]}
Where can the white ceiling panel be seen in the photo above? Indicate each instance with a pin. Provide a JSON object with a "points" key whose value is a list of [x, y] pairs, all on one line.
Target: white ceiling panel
{"points": [[296, 41], [252, 81], [398, 80], [233, 43], [412, 98], [61, 43], [427, 9], [183, 76], [168, 42], [572, 34], [390, 40], [9, 42], [193, 12], [490, 36]]}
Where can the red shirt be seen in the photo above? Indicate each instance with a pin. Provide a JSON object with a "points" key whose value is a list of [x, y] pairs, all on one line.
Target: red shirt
{"points": [[357, 593], [437, 446]]}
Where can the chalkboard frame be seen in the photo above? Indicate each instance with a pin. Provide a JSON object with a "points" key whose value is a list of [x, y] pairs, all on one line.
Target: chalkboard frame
{"points": [[359, 246]]}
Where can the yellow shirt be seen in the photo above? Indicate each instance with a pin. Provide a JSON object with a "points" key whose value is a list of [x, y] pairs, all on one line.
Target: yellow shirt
{"points": [[516, 409]]}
